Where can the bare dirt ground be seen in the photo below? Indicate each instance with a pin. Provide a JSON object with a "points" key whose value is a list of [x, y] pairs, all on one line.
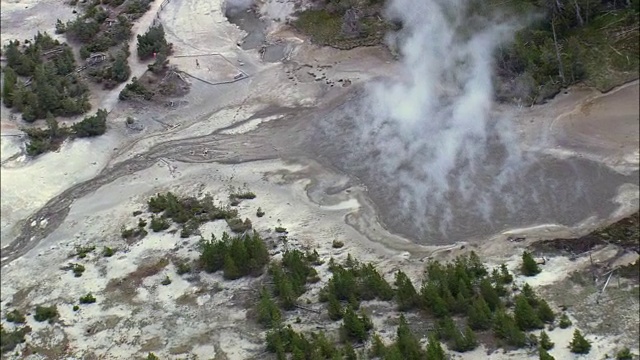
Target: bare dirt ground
{"points": [[247, 133]]}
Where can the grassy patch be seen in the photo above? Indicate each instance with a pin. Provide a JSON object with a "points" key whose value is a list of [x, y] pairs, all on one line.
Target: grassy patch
{"points": [[325, 28], [44, 313], [10, 339], [87, 299], [15, 317]]}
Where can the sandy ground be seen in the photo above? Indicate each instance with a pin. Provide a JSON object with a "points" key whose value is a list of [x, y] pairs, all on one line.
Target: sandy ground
{"points": [[200, 314]]}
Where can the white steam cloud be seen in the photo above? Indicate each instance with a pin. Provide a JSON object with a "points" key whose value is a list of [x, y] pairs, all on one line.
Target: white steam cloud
{"points": [[434, 129]]}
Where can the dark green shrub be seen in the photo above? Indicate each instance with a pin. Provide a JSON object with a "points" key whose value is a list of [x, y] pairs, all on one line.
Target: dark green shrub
{"points": [[579, 345], [529, 265], [14, 316], [159, 224], [87, 299], [565, 322], [92, 125], [9, 340], [153, 41], [44, 313]]}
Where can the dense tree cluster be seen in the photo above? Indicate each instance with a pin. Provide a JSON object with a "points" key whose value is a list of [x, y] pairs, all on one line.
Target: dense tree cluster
{"points": [[135, 90], [579, 40], [49, 84], [236, 256], [188, 212], [291, 276], [52, 136], [97, 31], [355, 282], [284, 340], [118, 70], [529, 265], [10, 339], [153, 42]]}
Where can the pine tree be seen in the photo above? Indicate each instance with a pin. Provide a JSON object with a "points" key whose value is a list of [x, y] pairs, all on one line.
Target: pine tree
{"points": [[464, 341], [471, 341], [434, 350], [544, 312], [334, 308], [479, 315], [298, 354], [353, 327], [432, 301], [505, 327], [490, 295], [394, 354], [407, 342], [348, 352], [525, 316], [507, 278], [231, 271], [8, 86], [565, 322], [545, 341], [624, 354], [268, 313], [406, 295], [544, 355], [579, 345], [286, 294], [377, 348], [447, 329], [529, 265], [529, 294]]}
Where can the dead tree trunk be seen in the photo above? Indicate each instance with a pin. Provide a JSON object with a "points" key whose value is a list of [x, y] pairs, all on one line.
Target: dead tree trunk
{"points": [[575, 3], [555, 42]]}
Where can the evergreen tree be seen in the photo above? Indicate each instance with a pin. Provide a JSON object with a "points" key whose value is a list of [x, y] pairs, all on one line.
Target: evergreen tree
{"points": [[545, 341], [353, 327], [544, 312], [268, 313], [479, 315], [579, 345], [529, 265], [334, 308], [298, 354], [446, 329], [505, 327], [490, 295], [565, 322], [286, 294], [529, 294], [432, 301], [394, 354], [348, 352], [525, 316], [624, 354], [120, 68], [464, 341], [507, 278], [377, 347], [544, 355], [406, 295], [231, 271], [434, 350], [407, 343], [8, 86]]}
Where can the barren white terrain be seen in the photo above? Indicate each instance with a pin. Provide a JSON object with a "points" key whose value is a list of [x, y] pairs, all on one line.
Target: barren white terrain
{"points": [[230, 136]]}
